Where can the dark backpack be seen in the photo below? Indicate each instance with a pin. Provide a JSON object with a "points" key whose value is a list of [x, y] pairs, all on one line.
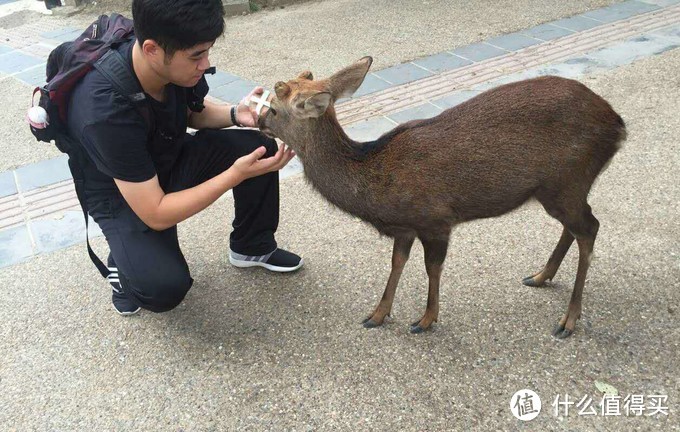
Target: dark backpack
{"points": [[66, 66], [71, 61]]}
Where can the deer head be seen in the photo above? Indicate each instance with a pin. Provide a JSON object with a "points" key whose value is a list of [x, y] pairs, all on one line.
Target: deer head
{"points": [[300, 103]]}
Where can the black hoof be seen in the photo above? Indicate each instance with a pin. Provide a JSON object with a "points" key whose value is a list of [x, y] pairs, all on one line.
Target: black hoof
{"points": [[369, 323], [560, 332], [529, 281], [415, 328]]}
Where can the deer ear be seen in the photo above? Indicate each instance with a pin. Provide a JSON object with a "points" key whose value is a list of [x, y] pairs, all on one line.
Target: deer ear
{"points": [[306, 75], [314, 106], [345, 82], [281, 89]]}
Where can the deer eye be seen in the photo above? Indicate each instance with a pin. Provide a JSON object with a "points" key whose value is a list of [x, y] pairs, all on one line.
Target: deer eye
{"points": [[273, 111]]}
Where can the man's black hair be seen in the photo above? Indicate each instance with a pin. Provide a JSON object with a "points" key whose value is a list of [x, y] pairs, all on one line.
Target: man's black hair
{"points": [[178, 24]]}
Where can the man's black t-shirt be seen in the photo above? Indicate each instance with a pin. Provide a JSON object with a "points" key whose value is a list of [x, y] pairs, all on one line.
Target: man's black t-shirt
{"points": [[117, 138]]}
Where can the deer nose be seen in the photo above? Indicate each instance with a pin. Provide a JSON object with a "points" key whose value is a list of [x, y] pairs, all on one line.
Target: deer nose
{"points": [[260, 120], [261, 124]]}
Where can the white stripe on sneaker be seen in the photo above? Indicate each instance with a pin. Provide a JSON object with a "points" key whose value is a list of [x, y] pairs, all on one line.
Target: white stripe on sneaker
{"points": [[243, 261]]}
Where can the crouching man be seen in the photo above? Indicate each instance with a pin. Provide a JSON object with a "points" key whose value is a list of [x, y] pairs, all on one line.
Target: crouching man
{"points": [[143, 176]]}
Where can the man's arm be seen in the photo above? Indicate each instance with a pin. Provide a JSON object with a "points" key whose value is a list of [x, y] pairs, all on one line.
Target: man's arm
{"points": [[160, 211]]}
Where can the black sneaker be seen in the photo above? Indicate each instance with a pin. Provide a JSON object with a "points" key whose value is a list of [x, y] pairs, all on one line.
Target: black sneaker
{"points": [[280, 261], [121, 303]]}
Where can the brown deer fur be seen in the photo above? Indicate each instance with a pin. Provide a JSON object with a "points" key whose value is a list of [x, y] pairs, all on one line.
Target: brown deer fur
{"points": [[546, 138]]}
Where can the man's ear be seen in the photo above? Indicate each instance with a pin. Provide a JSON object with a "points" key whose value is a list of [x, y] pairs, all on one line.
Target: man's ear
{"points": [[345, 82], [312, 106], [151, 48]]}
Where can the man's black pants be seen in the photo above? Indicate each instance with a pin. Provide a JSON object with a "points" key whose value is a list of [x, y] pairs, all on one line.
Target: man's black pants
{"points": [[151, 267]]}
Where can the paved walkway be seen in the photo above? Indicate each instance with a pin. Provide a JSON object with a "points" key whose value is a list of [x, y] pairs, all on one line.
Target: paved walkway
{"points": [[39, 212]]}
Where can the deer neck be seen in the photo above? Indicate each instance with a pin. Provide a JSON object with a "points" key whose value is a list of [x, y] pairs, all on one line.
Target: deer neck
{"points": [[327, 155]]}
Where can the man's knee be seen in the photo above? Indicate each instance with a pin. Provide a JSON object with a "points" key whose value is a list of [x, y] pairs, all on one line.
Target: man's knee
{"points": [[162, 292]]}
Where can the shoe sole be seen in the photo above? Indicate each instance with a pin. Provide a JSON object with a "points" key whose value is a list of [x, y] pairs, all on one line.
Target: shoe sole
{"points": [[277, 269], [135, 312]]}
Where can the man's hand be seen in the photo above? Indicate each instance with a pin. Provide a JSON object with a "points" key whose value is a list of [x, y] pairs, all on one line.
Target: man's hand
{"points": [[252, 166], [160, 211], [246, 115]]}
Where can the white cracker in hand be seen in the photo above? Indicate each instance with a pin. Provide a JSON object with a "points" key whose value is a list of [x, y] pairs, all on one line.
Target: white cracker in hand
{"points": [[261, 101]]}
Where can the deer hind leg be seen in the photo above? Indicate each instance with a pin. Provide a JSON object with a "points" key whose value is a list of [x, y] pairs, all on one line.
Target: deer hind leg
{"points": [[554, 262], [400, 254], [435, 253], [584, 229]]}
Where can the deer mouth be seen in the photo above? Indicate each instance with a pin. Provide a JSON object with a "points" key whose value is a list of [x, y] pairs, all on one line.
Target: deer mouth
{"points": [[268, 133], [263, 128]]}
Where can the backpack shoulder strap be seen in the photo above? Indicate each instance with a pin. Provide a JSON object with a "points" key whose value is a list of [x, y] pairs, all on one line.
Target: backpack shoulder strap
{"points": [[114, 67], [78, 181]]}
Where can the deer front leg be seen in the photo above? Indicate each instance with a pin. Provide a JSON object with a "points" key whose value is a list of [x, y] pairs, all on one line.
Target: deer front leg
{"points": [[400, 254], [435, 253]]}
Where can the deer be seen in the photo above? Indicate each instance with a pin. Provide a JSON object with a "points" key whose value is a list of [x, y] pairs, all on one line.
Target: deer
{"points": [[546, 138]]}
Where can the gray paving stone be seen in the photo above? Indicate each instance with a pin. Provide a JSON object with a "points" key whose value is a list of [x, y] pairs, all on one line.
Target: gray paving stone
{"points": [[442, 62], [479, 51], [577, 23], [671, 33], [234, 91], [571, 68], [514, 77], [4, 49], [632, 49], [294, 167], [547, 32], [39, 49], [4, 2], [455, 99], [219, 79], [662, 3], [513, 41], [426, 110], [58, 32], [34, 76], [15, 245], [7, 184], [15, 61], [54, 234], [371, 84], [620, 11], [43, 173], [403, 73], [69, 36], [369, 130]]}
